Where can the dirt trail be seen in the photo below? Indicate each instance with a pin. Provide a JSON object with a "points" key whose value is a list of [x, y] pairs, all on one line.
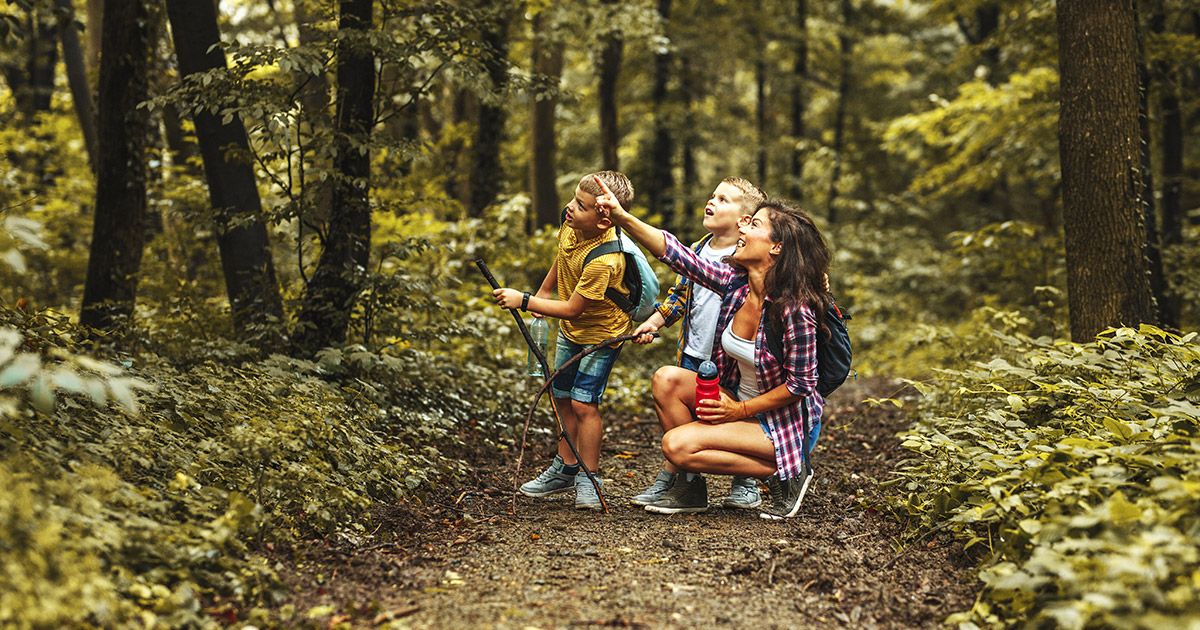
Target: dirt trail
{"points": [[551, 566]]}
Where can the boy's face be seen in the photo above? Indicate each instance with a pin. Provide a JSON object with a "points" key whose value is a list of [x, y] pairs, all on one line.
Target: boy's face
{"points": [[723, 209], [582, 214]]}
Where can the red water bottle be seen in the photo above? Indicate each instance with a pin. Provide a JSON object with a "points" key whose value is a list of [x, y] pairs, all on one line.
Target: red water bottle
{"points": [[706, 382]]}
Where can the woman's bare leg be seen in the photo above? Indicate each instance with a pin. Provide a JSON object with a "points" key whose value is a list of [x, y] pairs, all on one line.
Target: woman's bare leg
{"points": [[730, 448], [674, 398]]}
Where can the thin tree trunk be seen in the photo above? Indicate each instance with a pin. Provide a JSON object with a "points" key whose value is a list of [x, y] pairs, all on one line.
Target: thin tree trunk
{"points": [[43, 57], [1098, 146], [609, 71], [487, 173], [690, 94], [95, 18], [799, 102], [760, 114], [845, 46], [543, 168], [114, 261], [338, 280], [1154, 262], [81, 91], [241, 236], [662, 180], [1169, 305]]}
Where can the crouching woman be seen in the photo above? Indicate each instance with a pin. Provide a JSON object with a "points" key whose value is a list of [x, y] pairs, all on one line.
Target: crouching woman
{"points": [[768, 416]]}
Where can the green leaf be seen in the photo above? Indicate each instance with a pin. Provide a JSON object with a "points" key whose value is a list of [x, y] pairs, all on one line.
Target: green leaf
{"points": [[20, 370]]}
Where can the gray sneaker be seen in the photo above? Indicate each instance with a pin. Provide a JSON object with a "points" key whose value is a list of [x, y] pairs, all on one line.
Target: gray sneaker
{"points": [[786, 495], [683, 496], [743, 494], [585, 493], [661, 484], [550, 481]]}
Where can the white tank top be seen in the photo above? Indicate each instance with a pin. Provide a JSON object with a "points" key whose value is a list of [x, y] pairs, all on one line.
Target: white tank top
{"points": [[742, 351]]}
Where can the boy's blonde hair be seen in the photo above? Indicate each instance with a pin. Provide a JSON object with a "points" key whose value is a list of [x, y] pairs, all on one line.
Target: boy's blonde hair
{"points": [[751, 195], [616, 181]]}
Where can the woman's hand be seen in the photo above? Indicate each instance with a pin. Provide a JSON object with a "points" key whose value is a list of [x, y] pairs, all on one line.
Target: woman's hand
{"points": [[725, 409], [643, 332], [508, 298], [607, 204]]}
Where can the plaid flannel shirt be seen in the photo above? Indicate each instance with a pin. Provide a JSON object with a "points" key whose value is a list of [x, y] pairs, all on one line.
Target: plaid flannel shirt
{"points": [[678, 304], [798, 370]]}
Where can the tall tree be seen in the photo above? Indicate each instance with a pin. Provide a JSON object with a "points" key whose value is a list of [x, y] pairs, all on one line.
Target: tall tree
{"points": [[1170, 112], [611, 50], [487, 173], [845, 48], [662, 181], [543, 168], [1154, 260], [689, 94], [799, 100], [760, 113], [77, 79], [1098, 148], [338, 279], [117, 235], [241, 236]]}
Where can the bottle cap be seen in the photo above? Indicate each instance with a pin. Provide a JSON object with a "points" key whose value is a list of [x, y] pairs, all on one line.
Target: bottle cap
{"points": [[707, 371]]}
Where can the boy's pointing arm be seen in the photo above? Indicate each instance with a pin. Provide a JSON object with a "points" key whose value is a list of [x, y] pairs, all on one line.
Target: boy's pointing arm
{"points": [[648, 236]]}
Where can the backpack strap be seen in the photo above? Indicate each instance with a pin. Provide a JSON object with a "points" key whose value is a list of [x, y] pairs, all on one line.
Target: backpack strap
{"points": [[611, 247], [774, 336]]}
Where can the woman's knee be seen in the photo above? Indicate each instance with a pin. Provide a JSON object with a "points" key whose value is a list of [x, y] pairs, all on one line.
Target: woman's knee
{"points": [[677, 447], [668, 382]]}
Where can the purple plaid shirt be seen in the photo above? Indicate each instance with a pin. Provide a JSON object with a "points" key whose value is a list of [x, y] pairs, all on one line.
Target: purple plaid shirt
{"points": [[798, 371]]}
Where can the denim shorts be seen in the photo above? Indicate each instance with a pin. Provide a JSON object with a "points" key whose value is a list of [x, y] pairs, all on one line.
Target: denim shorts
{"points": [[586, 379], [689, 362]]}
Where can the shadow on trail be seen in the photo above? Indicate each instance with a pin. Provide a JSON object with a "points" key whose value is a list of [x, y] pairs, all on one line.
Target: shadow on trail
{"points": [[841, 562]]}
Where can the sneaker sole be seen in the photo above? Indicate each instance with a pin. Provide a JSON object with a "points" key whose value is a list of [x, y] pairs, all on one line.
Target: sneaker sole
{"points": [[679, 510], [644, 502], [795, 508], [538, 495]]}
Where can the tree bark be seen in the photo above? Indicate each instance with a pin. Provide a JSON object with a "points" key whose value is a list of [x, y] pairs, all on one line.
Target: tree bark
{"points": [[241, 236], [1107, 279], [845, 46], [760, 114], [799, 102], [95, 18], [81, 91], [690, 93], [1154, 261], [610, 68], [1169, 303], [114, 261], [338, 279], [543, 168], [661, 194], [487, 174]]}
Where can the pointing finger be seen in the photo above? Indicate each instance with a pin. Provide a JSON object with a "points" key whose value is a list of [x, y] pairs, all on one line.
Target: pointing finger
{"points": [[603, 187]]}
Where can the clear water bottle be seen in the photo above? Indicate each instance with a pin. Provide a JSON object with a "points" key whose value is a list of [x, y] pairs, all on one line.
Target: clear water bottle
{"points": [[539, 331]]}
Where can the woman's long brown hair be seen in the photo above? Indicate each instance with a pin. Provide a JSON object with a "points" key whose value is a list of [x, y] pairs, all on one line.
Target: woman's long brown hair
{"points": [[798, 275]]}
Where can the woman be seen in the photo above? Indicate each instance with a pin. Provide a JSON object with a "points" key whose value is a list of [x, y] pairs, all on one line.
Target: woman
{"points": [[769, 412]]}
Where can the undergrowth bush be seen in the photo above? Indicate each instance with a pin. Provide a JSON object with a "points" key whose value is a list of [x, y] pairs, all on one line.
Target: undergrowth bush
{"points": [[1076, 469], [159, 506]]}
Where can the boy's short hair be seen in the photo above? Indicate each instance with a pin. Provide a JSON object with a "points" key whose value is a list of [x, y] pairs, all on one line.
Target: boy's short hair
{"points": [[616, 181], [751, 195]]}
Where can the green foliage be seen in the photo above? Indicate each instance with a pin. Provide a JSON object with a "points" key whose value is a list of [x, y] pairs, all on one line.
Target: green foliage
{"points": [[161, 502], [1076, 468]]}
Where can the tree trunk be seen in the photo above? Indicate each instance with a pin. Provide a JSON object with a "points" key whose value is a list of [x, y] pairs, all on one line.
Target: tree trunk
{"points": [[487, 174], [338, 280], [81, 91], [43, 57], [799, 102], [95, 17], [845, 46], [760, 114], [114, 261], [610, 68], [1098, 147], [1154, 262], [241, 236], [662, 180], [690, 93], [543, 171], [1169, 305]]}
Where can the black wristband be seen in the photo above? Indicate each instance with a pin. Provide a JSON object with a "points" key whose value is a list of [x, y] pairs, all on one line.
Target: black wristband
{"points": [[525, 301]]}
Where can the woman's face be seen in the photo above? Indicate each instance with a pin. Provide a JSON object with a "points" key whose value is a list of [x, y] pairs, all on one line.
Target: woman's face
{"points": [[755, 245]]}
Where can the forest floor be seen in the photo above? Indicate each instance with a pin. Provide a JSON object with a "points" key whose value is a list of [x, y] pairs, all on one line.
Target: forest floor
{"points": [[470, 563]]}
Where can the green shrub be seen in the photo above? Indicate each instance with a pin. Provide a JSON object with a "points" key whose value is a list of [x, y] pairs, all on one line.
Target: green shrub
{"points": [[1076, 468]]}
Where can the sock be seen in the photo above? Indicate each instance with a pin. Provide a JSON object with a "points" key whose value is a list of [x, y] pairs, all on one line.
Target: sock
{"points": [[570, 469], [689, 477]]}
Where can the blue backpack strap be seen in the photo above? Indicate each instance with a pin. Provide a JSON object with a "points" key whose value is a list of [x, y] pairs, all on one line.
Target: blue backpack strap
{"points": [[612, 247]]}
